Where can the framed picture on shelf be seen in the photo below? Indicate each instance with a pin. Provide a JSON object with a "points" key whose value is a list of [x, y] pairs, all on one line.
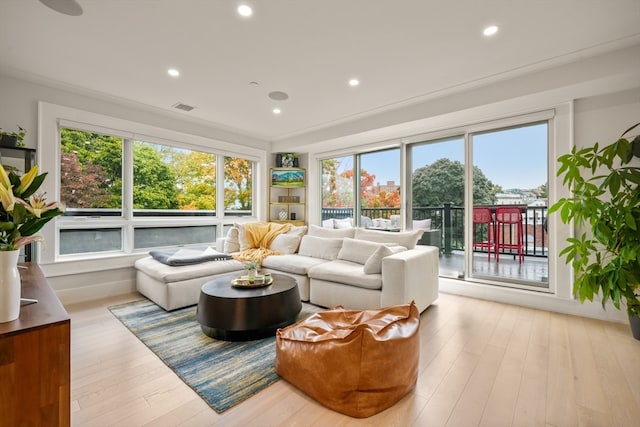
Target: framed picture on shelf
{"points": [[287, 177]]}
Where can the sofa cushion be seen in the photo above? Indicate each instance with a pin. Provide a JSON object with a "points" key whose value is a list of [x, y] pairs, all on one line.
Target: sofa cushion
{"points": [[320, 247], [349, 273], [408, 239], [357, 250], [295, 264], [170, 274], [285, 243], [314, 230], [374, 262]]}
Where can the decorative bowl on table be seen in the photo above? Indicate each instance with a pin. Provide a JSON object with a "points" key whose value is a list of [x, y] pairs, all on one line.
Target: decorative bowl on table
{"points": [[259, 281]]}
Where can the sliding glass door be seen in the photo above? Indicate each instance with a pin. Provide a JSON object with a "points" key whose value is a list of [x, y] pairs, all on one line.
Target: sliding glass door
{"points": [[437, 199], [510, 184]]}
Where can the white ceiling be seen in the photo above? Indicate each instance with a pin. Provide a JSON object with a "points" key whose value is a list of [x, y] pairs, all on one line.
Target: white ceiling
{"points": [[403, 51]]}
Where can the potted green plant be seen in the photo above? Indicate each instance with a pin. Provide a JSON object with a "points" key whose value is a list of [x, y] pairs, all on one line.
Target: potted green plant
{"points": [[252, 268], [12, 139], [605, 199]]}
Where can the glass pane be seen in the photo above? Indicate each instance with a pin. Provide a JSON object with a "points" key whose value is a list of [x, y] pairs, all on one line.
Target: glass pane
{"points": [[90, 240], [437, 191], [169, 236], [238, 186], [337, 190], [510, 183], [90, 173], [172, 180], [380, 189]]}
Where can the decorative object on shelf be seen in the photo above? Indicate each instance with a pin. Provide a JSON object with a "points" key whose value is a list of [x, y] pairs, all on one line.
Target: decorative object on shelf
{"points": [[293, 216], [288, 160], [287, 177], [22, 214], [12, 139], [605, 197], [9, 286], [282, 215]]}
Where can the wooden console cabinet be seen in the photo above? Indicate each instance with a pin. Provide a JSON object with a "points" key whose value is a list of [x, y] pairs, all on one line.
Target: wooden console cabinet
{"points": [[35, 384]]}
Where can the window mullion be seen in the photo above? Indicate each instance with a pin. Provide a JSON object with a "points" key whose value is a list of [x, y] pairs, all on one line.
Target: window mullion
{"points": [[127, 195]]}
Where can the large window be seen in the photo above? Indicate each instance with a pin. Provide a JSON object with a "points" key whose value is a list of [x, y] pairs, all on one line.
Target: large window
{"points": [[449, 176], [106, 215], [378, 188]]}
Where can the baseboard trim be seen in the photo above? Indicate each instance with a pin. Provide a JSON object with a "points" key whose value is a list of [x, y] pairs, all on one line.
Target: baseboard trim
{"points": [[534, 300]]}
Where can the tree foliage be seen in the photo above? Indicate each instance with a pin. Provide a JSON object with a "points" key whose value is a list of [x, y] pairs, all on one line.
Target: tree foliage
{"points": [[337, 188], [443, 181], [164, 177]]}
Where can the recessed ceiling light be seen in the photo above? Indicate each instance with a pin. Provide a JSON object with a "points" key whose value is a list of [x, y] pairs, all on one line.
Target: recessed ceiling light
{"points": [[354, 82], [173, 72], [490, 30], [277, 111], [245, 10]]}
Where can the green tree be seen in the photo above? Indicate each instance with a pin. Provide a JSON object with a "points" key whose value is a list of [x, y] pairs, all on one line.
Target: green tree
{"points": [[94, 153], [154, 183], [443, 181], [195, 177]]}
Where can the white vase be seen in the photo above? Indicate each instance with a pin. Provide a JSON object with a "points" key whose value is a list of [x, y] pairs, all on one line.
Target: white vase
{"points": [[9, 286]]}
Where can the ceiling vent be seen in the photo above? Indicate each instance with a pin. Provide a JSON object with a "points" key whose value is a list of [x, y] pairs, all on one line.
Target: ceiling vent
{"points": [[183, 107]]}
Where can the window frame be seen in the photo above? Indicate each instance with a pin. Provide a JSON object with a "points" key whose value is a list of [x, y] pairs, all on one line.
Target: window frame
{"points": [[52, 117]]}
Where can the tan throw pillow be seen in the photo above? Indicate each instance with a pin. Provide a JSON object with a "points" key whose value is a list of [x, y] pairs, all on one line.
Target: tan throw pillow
{"points": [[286, 244], [374, 262], [320, 247]]}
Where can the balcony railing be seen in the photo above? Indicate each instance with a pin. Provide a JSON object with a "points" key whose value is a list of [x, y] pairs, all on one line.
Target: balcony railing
{"points": [[450, 219]]}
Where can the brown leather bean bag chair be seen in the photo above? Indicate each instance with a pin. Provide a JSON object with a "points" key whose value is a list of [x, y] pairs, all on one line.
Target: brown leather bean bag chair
{"points": [[355, 362]]}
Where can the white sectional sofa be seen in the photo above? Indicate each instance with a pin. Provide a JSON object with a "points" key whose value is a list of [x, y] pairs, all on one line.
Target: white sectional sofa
{"points": [[355, 268]]}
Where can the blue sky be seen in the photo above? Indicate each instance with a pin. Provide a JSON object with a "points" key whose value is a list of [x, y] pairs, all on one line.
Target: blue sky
{"points": [[512, 158]]}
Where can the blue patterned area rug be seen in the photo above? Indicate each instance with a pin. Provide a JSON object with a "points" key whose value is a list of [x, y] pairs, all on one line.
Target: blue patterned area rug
{"points": [[223, 373]]}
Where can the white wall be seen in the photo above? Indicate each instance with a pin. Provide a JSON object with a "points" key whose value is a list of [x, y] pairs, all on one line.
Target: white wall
{"points": [[19, 105]]}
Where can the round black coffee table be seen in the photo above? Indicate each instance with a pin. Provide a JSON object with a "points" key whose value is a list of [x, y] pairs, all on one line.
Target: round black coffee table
{"points": [[235, 314]]}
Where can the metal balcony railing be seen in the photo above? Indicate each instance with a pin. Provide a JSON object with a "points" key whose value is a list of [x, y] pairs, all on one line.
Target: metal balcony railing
{"points": [[450, 219]]}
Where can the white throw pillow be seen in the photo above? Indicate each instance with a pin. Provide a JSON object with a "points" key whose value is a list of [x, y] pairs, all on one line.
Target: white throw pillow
{"points": [[286, 243], [343, 223], [357, 251], [231, 243], [422, 224], [242, 238], [320, 247], [314, 230], [374, 262], [408, 239], [327, 223], [298, 230]]}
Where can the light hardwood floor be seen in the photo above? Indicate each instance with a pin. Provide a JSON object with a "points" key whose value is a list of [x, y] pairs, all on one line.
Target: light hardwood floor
{"points": [[481, 364]]}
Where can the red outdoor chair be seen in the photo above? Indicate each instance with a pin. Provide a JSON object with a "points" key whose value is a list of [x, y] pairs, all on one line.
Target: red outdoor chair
{"points": [[509, 232], [482, 217]]}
